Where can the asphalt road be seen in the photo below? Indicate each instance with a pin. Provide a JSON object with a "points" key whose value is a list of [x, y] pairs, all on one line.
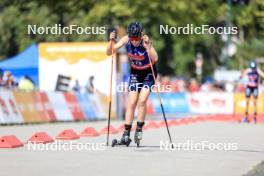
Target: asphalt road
{"points": [[243, 144]]}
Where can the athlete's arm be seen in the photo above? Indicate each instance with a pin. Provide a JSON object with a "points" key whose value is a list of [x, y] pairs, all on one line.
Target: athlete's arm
{"points": [[152, 53], [150, 49], [244, 72], [113, 47], [261, 73]]}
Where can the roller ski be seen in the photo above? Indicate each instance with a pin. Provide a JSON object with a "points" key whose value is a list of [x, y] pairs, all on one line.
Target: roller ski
{"points": [[246, 120], [255, 118], [138, 137], [138, 133], [125, 140]]}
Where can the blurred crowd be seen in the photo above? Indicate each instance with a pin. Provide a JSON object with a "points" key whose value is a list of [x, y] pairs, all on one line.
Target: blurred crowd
{"points": [[88, 88], [206, 85], [9, 81]]}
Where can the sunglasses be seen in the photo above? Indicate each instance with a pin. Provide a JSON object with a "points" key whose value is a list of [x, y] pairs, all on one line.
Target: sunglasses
{"points": [[134, 38]]}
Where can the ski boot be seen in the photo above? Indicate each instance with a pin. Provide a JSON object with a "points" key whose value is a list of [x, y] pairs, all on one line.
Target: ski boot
{"points": [[246, 120], [125, 140], [255, 117]]}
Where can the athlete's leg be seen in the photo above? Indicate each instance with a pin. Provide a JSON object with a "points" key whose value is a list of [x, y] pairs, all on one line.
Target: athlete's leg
{"points": [[148, 82], [142, 108], [247, 106], [142, 104], [130, 109], [255, 104], [248, 94], [255, 109], [133, 94], [131, 106]]}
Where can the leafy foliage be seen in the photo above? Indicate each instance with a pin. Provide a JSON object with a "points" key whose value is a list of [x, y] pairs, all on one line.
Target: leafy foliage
{"points": [[176, 52]]}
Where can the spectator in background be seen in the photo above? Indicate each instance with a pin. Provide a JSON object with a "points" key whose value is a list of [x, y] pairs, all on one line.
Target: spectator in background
{"points": [[175, 86], [165, 80], [26, 84], [229, 87], [193, 86], [9, 80], [2, 82], [207, 86], [199, 66], [218, 86], [182, 85], [90, 85], [240, 87], [76, 87]]}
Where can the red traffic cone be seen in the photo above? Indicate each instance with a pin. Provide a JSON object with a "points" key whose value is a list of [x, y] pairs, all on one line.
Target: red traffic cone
{"points": [[112, 130], [173, 122], [68, 134], [163, 123], [40, 137], [152, 124], [89, 132], [10, 141]]}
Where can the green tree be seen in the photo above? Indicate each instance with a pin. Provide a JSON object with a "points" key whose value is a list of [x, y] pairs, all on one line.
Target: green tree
{"points": [[176, 52]]}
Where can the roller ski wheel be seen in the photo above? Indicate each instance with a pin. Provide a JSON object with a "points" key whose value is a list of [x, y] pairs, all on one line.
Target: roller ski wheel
{"points": [[114, 142], [124, 141], [138, 143], [138, 137]]}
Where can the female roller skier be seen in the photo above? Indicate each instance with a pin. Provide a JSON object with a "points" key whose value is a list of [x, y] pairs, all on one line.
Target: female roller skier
{"points": [[139, 49], [253, 74]]}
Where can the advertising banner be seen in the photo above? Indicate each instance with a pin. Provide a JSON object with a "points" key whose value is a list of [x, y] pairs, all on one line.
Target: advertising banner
{"points": [[74, 106], [27, 106], [211, 103], [9, 112], [60, 106], [172, 102]]}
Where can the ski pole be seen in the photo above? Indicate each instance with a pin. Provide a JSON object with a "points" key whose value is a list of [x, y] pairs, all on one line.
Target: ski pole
{"points": [[161, 105], [110, 94]]}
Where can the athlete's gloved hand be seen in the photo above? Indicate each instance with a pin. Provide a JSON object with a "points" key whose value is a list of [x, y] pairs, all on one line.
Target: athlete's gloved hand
{"points": [[112, 35], [146, 42]]}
